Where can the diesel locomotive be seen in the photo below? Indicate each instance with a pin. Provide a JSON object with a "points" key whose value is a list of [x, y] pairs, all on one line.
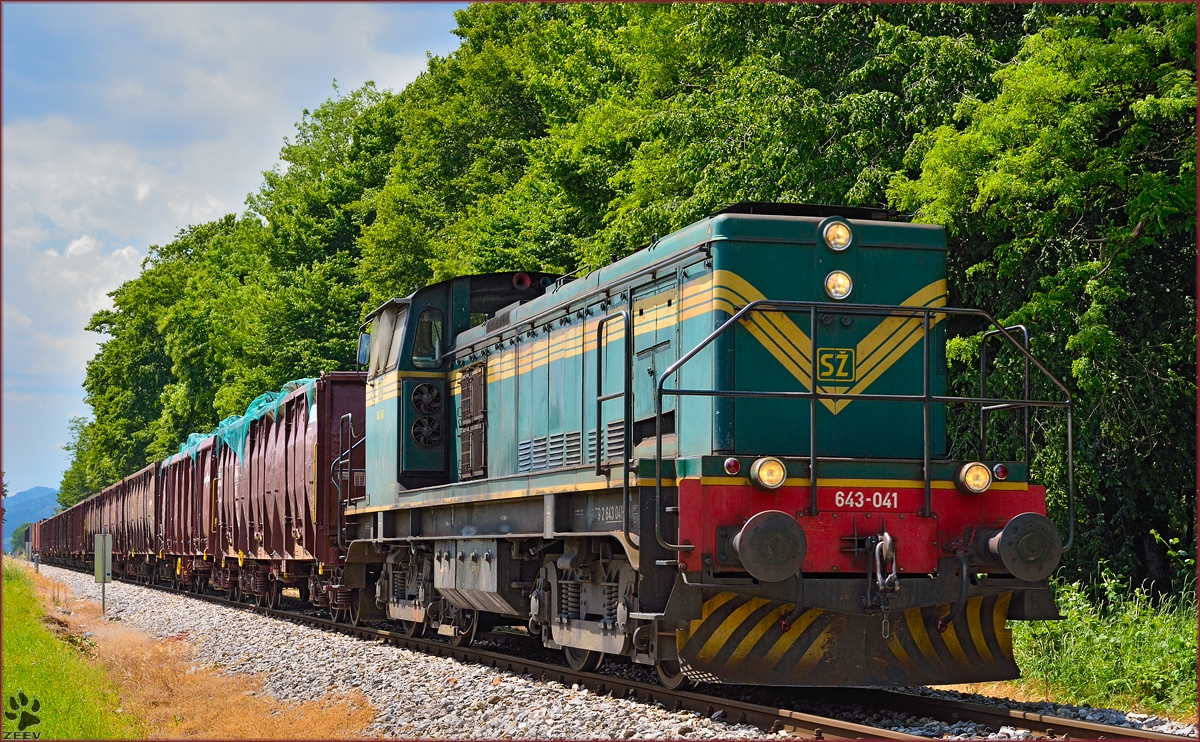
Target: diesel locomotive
{"points": [[725, 456]]}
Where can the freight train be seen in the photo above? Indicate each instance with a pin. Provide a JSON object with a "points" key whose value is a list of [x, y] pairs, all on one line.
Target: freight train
{"points": [[725, 456]]}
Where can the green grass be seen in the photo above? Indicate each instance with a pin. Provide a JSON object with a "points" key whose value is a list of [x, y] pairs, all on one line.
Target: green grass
{"points": [[76, 699], [1118, 648]]}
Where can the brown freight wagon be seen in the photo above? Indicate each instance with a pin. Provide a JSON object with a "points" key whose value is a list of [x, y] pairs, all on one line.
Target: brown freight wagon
{"points": [[255, 507]]}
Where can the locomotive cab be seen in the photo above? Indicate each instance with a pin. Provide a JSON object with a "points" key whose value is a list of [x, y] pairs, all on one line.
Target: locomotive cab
{"points": [[409, 425]]}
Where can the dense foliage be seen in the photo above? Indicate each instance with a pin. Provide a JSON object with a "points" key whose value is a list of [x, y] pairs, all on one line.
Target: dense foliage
{"points": [[1056, 144]]}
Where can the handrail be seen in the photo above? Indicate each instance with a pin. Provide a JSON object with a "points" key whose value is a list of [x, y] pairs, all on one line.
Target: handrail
{"points": [[627, 394], [926, 398], [984, 410], [335, 471]]}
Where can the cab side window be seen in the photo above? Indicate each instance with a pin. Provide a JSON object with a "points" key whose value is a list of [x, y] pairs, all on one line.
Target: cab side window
{"points": [[427, 345]]}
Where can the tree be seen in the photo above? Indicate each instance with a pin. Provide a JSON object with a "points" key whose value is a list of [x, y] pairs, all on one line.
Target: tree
{"points": [[18, 538], [1070, 199]]}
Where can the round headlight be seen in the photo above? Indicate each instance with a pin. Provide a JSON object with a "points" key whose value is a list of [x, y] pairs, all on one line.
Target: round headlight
{"points": [[974, 478], [838, 284], [837, 236], [768, 473]]}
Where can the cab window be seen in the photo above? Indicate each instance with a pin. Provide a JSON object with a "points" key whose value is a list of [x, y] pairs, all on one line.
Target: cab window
{"points": [[427, 345], [387, 338]]}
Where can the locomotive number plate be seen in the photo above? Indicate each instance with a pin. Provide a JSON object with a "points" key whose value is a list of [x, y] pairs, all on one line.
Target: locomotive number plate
{"points": [[836, 364], [876, 500]]}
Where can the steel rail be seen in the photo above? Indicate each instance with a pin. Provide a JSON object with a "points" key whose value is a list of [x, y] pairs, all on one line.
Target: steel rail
{"points": [[768, 718]]}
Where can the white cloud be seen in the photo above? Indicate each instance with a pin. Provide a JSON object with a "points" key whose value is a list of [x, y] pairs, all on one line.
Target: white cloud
{"points": [[153, 117]]}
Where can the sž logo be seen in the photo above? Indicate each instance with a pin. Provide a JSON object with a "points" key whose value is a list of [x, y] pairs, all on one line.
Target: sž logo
{"points": [[24, 711]]}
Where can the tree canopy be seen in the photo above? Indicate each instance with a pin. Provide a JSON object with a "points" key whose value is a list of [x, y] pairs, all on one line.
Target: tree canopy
{"points": [[1056, 144]]}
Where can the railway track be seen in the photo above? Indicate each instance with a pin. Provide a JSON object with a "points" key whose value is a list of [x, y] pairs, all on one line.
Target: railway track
{"points": [[768, 718]]}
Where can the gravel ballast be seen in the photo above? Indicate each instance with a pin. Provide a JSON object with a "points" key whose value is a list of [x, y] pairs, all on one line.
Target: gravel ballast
{"points": [[419, 696]]}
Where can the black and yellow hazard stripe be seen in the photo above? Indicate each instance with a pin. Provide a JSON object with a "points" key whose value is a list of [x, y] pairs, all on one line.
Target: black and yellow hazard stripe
{"points": [[739, 639]]}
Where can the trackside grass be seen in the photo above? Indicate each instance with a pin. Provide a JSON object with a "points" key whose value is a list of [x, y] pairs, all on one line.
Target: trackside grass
{"points": [[69, 697], [1117, 648]]}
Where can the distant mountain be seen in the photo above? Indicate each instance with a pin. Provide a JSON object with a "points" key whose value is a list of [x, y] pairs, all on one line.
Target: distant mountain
{"points": [[28, 506]]}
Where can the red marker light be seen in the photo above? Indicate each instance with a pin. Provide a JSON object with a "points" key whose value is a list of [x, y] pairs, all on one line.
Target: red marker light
{"points": [[732, 466], [1001, 471]]}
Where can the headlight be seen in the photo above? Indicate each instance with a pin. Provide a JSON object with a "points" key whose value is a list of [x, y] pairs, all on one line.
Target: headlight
{"points": [[973, 478], [837, 236], [768, 473], [838, 284]]}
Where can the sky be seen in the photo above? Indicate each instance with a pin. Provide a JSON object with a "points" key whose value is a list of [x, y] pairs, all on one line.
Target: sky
{"points": [[124, 123]]}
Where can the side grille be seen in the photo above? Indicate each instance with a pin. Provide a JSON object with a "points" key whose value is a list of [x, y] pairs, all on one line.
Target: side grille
{"points": [[615, 445], [525, 456], [572, 449], [539, 453], [554, 451]]}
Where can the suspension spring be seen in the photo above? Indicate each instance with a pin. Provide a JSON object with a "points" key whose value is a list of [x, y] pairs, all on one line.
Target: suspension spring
{"points": [[570, 598], [399, 585], [610, 603]]}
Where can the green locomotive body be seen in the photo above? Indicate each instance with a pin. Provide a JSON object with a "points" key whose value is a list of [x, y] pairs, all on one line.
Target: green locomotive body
{"points": [[724, 456]]}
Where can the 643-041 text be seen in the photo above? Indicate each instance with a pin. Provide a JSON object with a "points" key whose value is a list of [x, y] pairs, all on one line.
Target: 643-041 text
{"points": [[859, 499]]}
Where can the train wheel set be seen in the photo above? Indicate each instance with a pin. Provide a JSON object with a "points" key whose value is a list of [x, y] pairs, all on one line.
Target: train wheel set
{"points": [[727, 456]]}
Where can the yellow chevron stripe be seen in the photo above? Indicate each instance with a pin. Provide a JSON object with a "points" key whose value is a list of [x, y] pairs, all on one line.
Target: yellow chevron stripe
{"points": [[916, 626], [710, 606], [727, 627], [999, 624], [747, 643], [785, 642], [900, 652], [879, 350], [956, 650], [974, 605], [814, 653]]}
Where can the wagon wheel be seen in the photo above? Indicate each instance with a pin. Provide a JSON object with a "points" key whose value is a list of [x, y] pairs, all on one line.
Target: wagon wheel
{"points": [[274, 594], [414, 629], [427, 431], [464, 636], [670, 674], [583, 660], [427, 399]]}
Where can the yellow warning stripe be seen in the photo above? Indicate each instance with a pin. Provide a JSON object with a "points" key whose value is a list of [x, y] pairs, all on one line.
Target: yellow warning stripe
{"points": [[975, 624], [727, 627], [747, 643], [785, 642]]}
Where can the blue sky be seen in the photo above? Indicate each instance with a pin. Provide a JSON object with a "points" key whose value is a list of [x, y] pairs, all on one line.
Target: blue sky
{"points": [[123, 123]]}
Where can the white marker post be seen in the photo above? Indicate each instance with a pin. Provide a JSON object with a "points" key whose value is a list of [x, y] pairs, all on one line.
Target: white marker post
{"points": [[103, 564]]}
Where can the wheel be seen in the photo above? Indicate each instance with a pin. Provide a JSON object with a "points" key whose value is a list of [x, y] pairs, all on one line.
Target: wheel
{"points": [[671, 675], [260, 600], [233, 593], [198, 584], [414, 629], [354, 612], [583, 660], [304, 594], [274, 595], [464, 637]]}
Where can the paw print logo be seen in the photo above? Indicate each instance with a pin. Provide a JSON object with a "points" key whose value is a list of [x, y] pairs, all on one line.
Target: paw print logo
{"points": [[21, 710]]}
